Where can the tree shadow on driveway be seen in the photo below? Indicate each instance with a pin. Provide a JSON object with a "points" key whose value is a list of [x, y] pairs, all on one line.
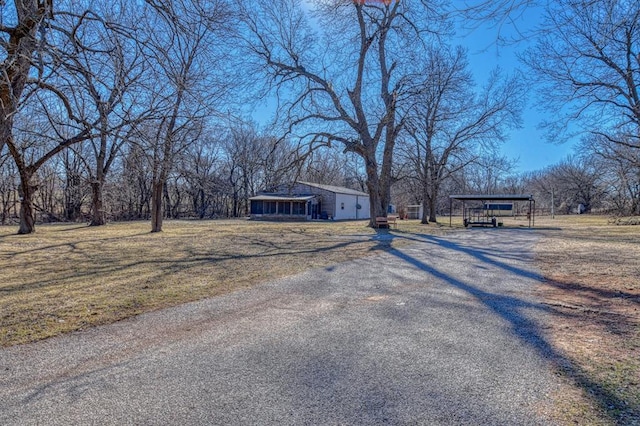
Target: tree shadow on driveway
{"points": [[519, 312]]}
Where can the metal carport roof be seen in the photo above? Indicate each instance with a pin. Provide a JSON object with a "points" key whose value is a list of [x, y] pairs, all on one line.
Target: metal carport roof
{"points": [[495, 197], [492, 197]]}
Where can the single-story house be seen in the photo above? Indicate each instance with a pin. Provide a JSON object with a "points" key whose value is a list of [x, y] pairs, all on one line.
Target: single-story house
{"points": [[307, 201]]}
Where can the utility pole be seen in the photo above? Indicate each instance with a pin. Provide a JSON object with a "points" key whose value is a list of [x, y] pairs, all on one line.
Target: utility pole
{"points": [[553, 215]]}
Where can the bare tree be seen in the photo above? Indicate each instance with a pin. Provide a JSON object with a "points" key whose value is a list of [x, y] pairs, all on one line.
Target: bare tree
{"points": [[47, 127], [99, 68], [132, 187], [245, 151], [620, 166], [347, 82], [201, 168], [75, 189], [20, 25], [185, 47], [589, 60], [57, 106], [450, 125], [575, 181], [330, 167], [8, 187], [487, 174]]}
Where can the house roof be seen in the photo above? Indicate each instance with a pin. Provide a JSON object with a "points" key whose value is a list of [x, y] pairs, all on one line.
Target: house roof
{"points": [[336, 189], [280, 197], [493, 197]]}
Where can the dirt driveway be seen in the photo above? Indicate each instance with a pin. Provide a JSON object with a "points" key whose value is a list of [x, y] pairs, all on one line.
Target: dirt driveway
{"points": [[443, 331]]}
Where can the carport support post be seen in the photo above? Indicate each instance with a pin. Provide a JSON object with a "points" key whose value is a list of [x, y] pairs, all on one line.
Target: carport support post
{"points": [[464, 211], [534, 213]]}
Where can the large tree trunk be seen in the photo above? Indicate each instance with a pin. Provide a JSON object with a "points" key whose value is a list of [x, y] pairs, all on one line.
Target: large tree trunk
{"points": [[18, 54], [27, 219], [432, 210], [156, 206], [27, 216], [162, 168], [433, 200], [426, 203], [159, 180], [97, 205], [378, 204], [379, 178], [14, 70], [379, 188]]}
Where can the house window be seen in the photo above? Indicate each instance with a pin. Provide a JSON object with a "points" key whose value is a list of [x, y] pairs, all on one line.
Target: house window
{"points": [[284, 207], [256, 207], [298, 208], [270, 207]]}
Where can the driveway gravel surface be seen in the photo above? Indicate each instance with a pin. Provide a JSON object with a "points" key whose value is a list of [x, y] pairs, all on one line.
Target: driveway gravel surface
{"points": [[442, 331]]}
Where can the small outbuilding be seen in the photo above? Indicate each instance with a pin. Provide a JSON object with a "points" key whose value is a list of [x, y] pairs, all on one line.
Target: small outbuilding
{"points": [[308, 201], [414, 211]]}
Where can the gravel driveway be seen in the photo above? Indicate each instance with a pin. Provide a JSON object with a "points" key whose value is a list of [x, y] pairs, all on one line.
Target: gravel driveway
{"points": [[442, 331]]}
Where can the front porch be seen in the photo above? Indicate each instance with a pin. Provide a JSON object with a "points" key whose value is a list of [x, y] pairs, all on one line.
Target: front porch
{"points": [[284, 207]]}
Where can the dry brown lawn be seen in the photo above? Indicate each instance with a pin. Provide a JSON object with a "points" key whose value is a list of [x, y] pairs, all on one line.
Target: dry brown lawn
{"points": [[592, 287], [68, 277]]}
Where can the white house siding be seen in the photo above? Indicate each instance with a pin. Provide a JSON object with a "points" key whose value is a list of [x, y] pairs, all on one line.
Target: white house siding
{"points": [[365, 211], [346, 207], [332, 199], [350, 210]]}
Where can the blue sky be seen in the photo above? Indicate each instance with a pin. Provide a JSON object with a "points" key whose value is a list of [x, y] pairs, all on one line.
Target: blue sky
{"points": [[527, 144]]}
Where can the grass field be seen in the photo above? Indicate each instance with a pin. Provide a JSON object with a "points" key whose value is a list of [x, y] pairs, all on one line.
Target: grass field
{"points": [[592, 287], [69, 277]]}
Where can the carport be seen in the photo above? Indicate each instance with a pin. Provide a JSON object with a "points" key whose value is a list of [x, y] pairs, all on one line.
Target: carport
{"points": [[492, 198]]}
